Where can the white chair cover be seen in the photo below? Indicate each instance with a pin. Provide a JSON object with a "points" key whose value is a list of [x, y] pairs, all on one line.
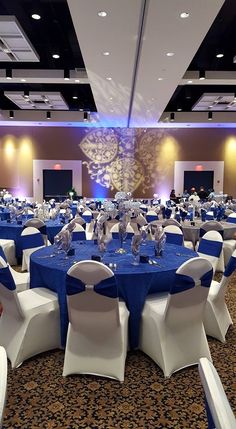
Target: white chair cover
{"points": [[219, 412], [97, 333], [31, 240], [216, 316], [174, 235], [210, 247], [30, 321], [21, 280], [172, 331], [9, 249]]}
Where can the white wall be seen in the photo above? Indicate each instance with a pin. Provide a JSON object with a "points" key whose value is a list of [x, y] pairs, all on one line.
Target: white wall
{"points": [[45, 164]]}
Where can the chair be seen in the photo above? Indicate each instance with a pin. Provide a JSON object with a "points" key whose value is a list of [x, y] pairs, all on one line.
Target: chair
{"points": [[21, 280], [78, 233], [216, 317], [115, 231], [31, 240], [9, 249], [97, 333], [40, 225], [172, 331], [151, 216], [219, 412], [210, 247], [3, 382], [231, 218], [228, 245], [30, 321], [174, 235]]}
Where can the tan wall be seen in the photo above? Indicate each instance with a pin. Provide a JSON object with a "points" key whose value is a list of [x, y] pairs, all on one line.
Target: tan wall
{"points": [[134, 160]]}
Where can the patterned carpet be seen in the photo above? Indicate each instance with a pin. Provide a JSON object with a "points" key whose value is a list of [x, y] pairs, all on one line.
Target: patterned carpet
{"points": [[39, 397]]}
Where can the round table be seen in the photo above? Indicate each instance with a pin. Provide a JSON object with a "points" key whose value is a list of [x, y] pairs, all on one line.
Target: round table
{"points": [[134, 282]]}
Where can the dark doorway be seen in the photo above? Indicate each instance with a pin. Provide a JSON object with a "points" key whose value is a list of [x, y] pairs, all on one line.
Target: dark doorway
{"points": [[56, 183], [198, 178]]}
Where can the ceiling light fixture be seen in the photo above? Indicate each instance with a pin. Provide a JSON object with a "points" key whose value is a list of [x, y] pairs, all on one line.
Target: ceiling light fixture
{"points": [[202, 75], [23, 80], [172, 117], [106, 53], [179, 109], [35, 16], [11, 114], [220, 55], [48, 115], [108, 78], [77, 80], [102, 13], [170, 54], [66, 74], [209, 116], [56, 56], [184, 15], [160, 78], [9, 74], [190, 81], [75, 97]]}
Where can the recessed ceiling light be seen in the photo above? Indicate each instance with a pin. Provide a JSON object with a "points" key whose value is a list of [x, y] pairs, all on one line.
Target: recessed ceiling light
{"points": [[179, 109], [160, 78], [35, 16], [108, 78], [75, 97], [190, 81], [77, 80], [23, 80], [170, 54], [184, 15], [81, 110], [7, 51], [220, 55], [111, 98], [102, 14], [56, 56], [106, 53]]}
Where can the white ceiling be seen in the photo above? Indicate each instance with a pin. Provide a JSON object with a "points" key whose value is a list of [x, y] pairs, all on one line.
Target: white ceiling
{"points": [[138, 34]]}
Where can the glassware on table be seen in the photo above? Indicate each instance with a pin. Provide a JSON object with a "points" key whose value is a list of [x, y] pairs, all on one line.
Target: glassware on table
{"points": [[144, 235], [135, 247]]}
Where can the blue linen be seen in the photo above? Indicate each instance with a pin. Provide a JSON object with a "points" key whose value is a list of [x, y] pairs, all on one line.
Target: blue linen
{"points": [[134, 282], [210, 247], [2, 254], [183, 282], [106, 287]]}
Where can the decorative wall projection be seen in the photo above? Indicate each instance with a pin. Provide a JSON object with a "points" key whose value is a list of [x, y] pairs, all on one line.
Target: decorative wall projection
{"points": [[126, 159]]}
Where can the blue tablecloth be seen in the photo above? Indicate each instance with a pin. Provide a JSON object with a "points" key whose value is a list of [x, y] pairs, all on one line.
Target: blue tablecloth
{"points": [[134, 282], [12, 231]]}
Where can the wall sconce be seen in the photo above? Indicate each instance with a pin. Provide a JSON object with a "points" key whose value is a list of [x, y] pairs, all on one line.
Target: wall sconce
{"points": [[11, 114], [9, 74], [210, 116], [66, 74], [172, 117], [48, 115], [202, 75]]}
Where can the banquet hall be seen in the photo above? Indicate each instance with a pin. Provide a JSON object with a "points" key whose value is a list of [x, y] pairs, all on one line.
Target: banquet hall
{"points": [[105, 107]]}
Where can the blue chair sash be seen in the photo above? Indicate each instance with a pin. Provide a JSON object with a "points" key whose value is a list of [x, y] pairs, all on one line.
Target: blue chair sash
{"points": [[116, 235], [78, 235], [6, 278], [87, 218], [151, 218], [231, 219], [106, 287], [2, 254], [183, 283], [210, 216], [173, 238], [43, 230], [210, 247], [231, 267], [31, 241]]}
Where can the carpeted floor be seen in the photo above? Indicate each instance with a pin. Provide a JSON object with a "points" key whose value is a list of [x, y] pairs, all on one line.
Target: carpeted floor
{"points": [[39, 397]]}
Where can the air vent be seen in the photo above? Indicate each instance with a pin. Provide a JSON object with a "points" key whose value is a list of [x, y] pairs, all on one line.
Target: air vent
{"points": [[14, 44]]}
